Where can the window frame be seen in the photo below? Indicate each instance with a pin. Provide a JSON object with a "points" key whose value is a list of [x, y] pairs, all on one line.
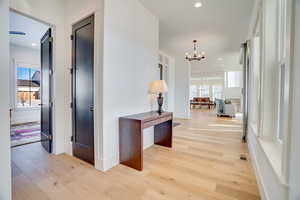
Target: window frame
{"points": [[199, 90], [194, 86], [15, 82], [212, 90]]}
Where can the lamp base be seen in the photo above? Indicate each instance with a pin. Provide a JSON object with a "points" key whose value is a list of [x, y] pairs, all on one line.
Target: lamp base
{"points": [[160, 101]]}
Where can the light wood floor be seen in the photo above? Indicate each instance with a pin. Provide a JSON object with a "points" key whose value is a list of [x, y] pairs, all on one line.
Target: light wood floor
{"points": [[203, 165]]}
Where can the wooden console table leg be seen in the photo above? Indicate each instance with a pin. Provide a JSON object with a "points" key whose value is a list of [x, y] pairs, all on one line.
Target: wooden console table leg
{"points": [[131, 143], [163, 134]]}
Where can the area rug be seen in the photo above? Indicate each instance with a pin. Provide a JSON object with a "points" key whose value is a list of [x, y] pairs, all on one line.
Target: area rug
{"points": [[25, 133]]}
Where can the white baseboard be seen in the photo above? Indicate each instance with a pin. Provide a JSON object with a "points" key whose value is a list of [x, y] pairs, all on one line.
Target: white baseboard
{"points": [[257, 171], [105, 164]]}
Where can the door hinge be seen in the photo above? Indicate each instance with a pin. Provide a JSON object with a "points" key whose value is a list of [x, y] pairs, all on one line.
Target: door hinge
{"points": [[50, 39], [51, 72], [71, 70], [51, 104], [71, 105], [71, 37], [72, 138]]}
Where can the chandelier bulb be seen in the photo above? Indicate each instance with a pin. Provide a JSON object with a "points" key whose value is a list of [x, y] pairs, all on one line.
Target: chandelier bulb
{"points": [[196, 55]]}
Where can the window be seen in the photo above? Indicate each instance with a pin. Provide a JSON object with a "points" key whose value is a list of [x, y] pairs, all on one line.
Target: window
{"points": [[281, 103], [193, 91], [217, 92], [204, 90], [27, 87], [234, 79]]}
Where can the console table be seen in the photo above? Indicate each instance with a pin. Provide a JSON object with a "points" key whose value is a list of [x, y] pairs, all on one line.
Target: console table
{"points": [[131, 135]]}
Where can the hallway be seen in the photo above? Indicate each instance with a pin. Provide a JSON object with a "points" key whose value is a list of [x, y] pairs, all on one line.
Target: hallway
{"points": [[203, 165]]}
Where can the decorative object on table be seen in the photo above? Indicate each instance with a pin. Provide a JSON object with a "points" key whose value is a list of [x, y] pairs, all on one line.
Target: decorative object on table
{"points": [[225, 108], [196, 56], [158, 87]]}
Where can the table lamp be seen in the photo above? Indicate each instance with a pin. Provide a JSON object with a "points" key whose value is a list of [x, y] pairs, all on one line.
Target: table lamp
{"points": [[158, 87]]}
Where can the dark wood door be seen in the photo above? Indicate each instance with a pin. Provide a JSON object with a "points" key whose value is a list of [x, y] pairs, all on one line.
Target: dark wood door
{"points": [[83, 86], [46, 92]]}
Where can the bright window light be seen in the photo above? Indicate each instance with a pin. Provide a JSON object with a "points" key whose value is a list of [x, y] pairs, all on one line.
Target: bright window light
{"points": [[234, 79]]}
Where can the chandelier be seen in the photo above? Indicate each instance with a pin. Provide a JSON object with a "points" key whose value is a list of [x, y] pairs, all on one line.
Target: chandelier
{"points": [[196, 56]]}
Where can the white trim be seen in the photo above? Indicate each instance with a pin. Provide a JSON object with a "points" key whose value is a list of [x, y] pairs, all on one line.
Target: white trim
{"points": [[269, 151], [26, 108], [105, 164], [257, 171]]}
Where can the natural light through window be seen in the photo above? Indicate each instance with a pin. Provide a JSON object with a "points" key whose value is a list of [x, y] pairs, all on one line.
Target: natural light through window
{"points": [[217, 91], [204, 90], [234, 79], [28, 87], [193, 91]]}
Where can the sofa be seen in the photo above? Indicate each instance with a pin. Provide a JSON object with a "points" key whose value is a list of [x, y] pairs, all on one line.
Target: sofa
{"points": [[225, 108]]}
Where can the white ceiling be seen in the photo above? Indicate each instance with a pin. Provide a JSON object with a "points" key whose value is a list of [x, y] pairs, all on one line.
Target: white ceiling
{"points": [[220, 26], [34, 30]]}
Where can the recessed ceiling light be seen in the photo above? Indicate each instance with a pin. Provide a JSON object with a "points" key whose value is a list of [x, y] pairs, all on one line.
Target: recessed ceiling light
{"points": [[220, 59], [198, 5], [33, 44]]}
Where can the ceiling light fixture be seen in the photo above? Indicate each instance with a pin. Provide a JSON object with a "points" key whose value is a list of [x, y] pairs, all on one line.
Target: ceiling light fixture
{"points": [[198, 5], [196, 56], [220, 59], [33, 44]]}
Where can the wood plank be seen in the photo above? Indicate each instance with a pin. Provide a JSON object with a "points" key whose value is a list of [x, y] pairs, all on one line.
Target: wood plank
{"points": [[203, 164]]}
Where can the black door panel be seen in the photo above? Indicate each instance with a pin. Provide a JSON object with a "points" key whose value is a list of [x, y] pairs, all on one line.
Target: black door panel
{"points": [[83, 86], [46, 93]]}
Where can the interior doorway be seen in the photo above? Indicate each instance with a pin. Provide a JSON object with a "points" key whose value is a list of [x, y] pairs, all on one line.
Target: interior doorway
{"points": [[30, 81], [83, 89]]}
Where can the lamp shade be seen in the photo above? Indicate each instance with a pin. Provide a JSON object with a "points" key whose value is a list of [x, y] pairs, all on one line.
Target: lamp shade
{"points": [[158, 86]]}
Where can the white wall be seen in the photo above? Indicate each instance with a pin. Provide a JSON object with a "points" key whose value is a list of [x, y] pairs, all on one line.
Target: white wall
{"points": [[5, 168], [52, 13], [182, 85], [294, 173], [128, 30], [171, 85], [130, 64], [20, 54], [232, 92], [168, 63]]}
